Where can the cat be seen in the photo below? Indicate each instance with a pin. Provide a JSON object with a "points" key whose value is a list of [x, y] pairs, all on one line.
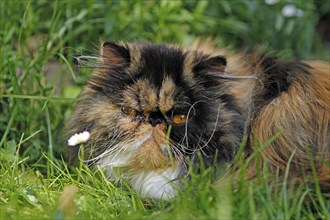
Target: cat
{"points": [[150, 108]]}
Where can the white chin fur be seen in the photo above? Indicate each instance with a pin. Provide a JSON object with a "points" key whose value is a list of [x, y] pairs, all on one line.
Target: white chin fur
{"points": [[149, 184]]}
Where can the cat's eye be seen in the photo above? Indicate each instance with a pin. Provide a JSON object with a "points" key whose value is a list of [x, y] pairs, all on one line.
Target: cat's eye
{"points": [[129, 111], [179, 118]]}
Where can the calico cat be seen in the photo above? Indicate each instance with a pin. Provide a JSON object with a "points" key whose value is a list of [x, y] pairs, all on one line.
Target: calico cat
{"points": [[150, 107]]}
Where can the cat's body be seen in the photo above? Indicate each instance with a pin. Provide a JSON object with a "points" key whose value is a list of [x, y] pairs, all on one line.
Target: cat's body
{"points": [[150, 107]]}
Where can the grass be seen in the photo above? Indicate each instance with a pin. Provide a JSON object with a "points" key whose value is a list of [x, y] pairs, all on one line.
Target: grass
{"points": [[27, 193], [38, 86]]}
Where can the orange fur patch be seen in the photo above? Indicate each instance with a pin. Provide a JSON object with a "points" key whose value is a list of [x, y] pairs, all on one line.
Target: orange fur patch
{"points": [[166, 95], [141, 96], [149, 156], [303, 115]]}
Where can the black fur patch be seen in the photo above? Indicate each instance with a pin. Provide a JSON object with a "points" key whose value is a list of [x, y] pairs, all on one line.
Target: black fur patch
{"points": [[278, 75], [159, 61]]}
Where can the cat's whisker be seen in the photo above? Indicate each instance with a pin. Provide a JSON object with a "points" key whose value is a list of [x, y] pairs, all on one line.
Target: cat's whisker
{"points": [[177, 153], [105, 153], [109, 145], [201, 149], [114, 155], [85, 57], [230, 76], [200, 141], [188, 114], [214, 129]]}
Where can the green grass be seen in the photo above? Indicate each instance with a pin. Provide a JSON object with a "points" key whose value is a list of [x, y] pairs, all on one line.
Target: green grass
{"points": [[39, 83], [27, 193]]}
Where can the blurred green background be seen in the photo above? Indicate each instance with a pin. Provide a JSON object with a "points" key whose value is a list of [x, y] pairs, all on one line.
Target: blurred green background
{"points": [[39, 39]]}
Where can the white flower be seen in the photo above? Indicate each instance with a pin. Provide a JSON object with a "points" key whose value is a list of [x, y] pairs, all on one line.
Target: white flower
{"points": [[79, 138], [289, 10], [32, 198], [271, 2]]}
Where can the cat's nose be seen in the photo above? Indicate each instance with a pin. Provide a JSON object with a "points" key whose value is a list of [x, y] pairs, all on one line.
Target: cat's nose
{"points": [[155, 118]]}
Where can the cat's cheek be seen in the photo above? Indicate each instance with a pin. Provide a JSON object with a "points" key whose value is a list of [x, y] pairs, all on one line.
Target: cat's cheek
{"points": [[180, 132], [127, 124]]}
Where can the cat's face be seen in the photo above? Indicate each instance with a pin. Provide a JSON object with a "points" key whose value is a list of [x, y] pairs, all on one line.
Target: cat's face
{"points": [[150, 107]]}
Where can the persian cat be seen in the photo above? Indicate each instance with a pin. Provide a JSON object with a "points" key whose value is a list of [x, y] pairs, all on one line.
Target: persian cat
{"points": [[151, 108]]}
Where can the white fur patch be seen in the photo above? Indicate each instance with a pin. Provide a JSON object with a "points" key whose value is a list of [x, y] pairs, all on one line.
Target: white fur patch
{"points": [[149, 184], [155, 185], [121, 157]]}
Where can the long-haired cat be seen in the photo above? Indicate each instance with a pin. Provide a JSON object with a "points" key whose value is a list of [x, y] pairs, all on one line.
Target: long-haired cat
{"points": [[149, 108]]}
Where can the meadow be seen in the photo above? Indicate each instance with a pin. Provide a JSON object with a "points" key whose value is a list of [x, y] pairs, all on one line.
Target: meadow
{"points": [[40, 80]]}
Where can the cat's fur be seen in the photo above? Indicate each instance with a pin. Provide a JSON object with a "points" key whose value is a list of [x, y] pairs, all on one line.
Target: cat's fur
{"points": [[223, 98]]}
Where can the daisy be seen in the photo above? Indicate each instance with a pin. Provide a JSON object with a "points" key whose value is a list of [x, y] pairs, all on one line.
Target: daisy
{"points": [[79, 138]]}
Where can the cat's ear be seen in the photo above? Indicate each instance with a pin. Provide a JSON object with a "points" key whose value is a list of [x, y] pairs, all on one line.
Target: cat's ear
{"points": [[114, 54], [215, 64], [216, 67]]}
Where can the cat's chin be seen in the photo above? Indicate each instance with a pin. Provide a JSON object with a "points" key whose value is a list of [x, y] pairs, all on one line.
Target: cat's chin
{"points": [[146, 166], [156, 185]]}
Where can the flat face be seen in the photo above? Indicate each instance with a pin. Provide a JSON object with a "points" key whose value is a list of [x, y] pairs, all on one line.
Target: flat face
{"points": [[149, 107]]}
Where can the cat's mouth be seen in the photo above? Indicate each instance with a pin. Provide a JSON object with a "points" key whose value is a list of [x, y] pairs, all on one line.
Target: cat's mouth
{"points": [[153, 152]]}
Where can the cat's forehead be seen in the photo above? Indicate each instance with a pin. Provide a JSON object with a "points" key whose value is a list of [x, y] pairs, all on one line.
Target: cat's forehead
{"points": [[149, 77], [157, 62], [144, 96], [160, 72], [157, 58]]}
